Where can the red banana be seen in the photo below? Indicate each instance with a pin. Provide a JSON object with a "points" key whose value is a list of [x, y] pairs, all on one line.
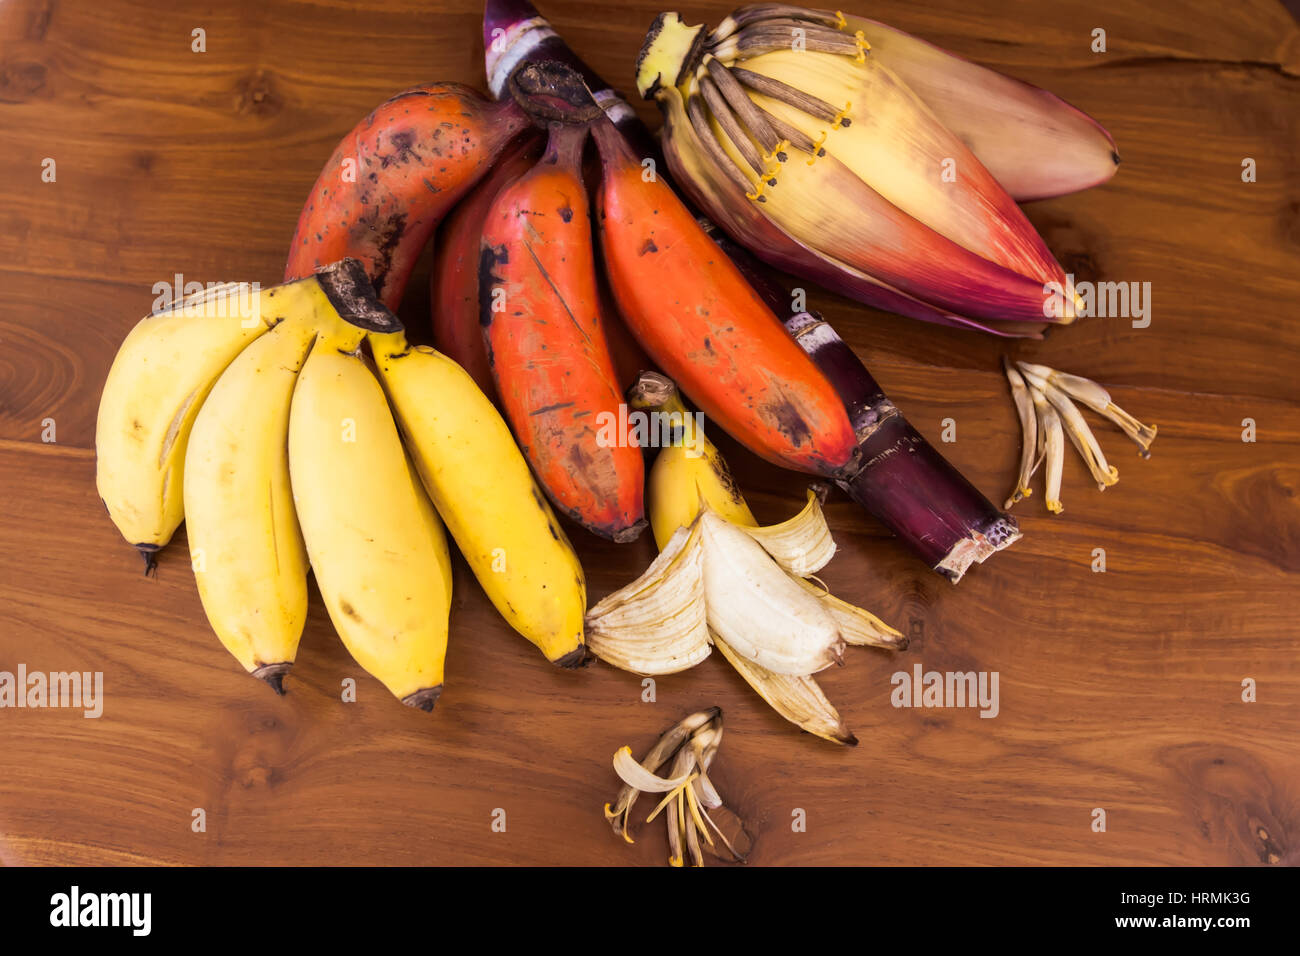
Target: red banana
{"points": [[391, 179], [540, 311], [703, 324]]}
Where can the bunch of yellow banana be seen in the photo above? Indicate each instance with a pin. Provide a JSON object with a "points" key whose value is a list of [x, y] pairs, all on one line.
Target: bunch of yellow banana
{"points": [[280, 445], [1045, 402], [723, 580]]}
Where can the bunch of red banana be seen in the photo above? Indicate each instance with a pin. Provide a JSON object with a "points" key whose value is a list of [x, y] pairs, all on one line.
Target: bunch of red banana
{"points": [[534, 289]]}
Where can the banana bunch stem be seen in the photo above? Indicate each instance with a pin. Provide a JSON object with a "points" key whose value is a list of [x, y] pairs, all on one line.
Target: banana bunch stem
{"points": [[920, 496]]}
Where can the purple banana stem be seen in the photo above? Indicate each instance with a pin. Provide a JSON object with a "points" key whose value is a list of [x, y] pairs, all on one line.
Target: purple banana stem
{"points": [[902, 480], [514, 32]]}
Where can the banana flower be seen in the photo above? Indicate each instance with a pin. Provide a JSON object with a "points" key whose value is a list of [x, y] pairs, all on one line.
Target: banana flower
{"points": [[792, 133]]}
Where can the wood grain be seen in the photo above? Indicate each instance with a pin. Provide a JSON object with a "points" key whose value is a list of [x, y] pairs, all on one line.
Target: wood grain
{"points": [[1119, 690]]}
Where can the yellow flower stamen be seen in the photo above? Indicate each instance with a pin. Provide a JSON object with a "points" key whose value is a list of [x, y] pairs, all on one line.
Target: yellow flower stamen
{"points": [[817, 147], [670, 795], [841, 23], [624, 813], [863, 47], [772, 159], [694, 803], [841, 116]]}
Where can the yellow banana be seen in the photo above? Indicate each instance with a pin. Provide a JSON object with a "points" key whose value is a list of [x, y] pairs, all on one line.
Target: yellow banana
{"points": [[688, 471], [159, 380], [760, 609], [483, 488], [245, 544], [376, 545]]}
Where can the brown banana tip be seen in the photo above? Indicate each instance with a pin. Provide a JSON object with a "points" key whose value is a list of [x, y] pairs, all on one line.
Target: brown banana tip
{"points": [[849, 739], [630, 533], [423, 699], [348, 288], [651, 390], [576, 658], [848, 471], [274, 675], [150, 554], [1114, 155], [551, 90]]}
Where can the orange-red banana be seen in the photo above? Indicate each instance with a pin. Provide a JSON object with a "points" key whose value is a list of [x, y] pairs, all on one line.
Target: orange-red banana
{"points": [[453, 280], [630, 360], [540, 310], [392, 178], [703, 324]]}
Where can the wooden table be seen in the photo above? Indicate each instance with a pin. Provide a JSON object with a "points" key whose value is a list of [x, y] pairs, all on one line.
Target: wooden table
{"points": [[1119, 690]]}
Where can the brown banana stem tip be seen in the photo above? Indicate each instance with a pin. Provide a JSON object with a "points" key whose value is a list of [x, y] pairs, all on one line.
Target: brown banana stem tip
{"points": [[576, 658], [650, 391], [553, 91], [150, 554], [274, 675], [423, 699], [630, 533], [348, 288]]}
